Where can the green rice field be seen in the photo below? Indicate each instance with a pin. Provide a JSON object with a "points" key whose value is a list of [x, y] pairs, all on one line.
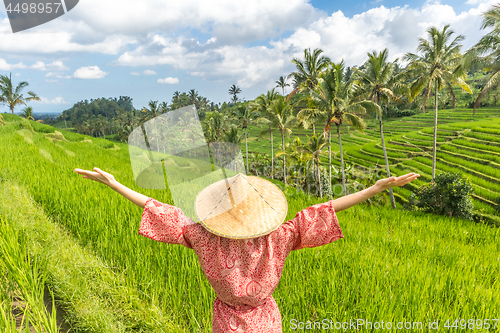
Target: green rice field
{"points": [[392, 265]]}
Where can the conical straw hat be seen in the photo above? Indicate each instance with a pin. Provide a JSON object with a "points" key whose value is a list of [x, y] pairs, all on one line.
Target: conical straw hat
{"points": [[241, 207]]}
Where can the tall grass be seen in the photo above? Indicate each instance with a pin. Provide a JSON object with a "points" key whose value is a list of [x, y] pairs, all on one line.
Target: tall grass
{"points": [[27, 280], [391, 265]]}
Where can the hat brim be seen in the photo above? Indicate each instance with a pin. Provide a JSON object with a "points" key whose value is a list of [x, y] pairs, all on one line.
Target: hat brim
{"points": [[251, 207]]}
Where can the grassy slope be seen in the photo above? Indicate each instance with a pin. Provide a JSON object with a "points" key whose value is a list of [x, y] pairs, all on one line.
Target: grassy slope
{"points": [[96, 298], [364, 149], [391, 265]]}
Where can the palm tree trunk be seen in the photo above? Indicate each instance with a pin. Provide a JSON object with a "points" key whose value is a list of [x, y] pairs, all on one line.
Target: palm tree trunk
{"points": [[246, 147], [272, 152], [319, 181], [341, 160], [284, 156], [386, 163], [435, 133], [425, 99], [330, 160], [476, 103], [453, 98], [314, 129]]}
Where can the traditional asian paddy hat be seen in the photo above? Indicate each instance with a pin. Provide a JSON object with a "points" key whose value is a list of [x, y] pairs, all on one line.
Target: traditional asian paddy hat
{"points": [[241, 207]]}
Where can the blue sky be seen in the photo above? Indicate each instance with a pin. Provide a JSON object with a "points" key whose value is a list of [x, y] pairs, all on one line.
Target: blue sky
{"points": [[149, 49]]}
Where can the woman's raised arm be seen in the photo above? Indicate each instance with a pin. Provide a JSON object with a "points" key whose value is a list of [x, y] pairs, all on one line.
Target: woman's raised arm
{"points": [[350, 200], [109, 180]]}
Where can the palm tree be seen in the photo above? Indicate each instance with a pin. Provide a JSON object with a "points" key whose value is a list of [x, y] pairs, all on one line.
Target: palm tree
{"points": [[215, 124], [176, 97], [2, 122], [341, 102], [282, 118], [308, 71], [441, 62], [300, 158], [314, 146], [486, 53], [13, 96], [193, 97], [282, 84], [151, 113], [262, 104], [234, 91], [310, 115], [244, 114], [378, 80], [28, 113], [163, 107]]}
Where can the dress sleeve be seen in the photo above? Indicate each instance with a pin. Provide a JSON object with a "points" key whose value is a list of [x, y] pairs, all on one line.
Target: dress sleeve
{"points": [[164, 223], [315, 226]]}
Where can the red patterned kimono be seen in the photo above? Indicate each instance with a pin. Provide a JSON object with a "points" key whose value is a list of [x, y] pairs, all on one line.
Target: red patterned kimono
{"points": [[243, 272]]}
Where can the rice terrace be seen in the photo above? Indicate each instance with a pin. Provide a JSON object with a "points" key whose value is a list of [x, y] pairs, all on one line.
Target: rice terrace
{"points": [[72, 259]]}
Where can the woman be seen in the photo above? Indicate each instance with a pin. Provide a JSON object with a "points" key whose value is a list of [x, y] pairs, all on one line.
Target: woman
{"points": [[244, 272]]}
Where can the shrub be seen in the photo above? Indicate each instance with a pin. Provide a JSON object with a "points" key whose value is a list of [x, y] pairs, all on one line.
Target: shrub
{"points": [[42, 128], [70, 136], [393, 111], [25, 124], [449, 194]]}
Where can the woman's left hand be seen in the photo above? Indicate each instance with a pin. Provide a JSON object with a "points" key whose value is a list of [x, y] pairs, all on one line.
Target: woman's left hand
{"points": [[384, 184], [99, 176]]}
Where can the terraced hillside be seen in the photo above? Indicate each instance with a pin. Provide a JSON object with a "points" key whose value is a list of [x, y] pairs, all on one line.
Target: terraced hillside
{"points": [[465, 144]]}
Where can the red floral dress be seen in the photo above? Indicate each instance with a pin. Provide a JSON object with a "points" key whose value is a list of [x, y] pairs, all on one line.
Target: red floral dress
{"points": [[243, 272]]}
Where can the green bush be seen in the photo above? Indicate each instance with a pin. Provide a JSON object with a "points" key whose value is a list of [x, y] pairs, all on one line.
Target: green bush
{"points": [[449, 194], [10, 117], [75, 137], [42, 128], [25, 124], [498, 204]]}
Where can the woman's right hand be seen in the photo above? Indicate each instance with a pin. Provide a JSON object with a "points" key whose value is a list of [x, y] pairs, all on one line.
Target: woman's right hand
{"points": [[99, 176]]}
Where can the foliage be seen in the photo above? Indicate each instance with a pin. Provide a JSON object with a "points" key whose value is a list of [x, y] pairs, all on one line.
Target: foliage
{"points": [[42, 128], [308, 71], [13, 96], [449, 194], [486, 53], [394, 112], [25, 124], [234, 91]]}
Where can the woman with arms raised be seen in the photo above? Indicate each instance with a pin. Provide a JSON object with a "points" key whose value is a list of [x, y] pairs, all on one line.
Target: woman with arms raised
{"points": [[245, 267]]}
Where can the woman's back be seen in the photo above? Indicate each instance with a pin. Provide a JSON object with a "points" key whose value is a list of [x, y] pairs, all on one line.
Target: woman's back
{"points": [[243, 272]]}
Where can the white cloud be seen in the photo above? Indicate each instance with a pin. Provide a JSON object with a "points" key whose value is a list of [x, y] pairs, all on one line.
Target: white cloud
{"points": [[92, 29], [168, 80], [56, 100], [135, 73], [90, 72], [59, 76], [340, 37], [4, 66], [54, 66], [17, 74], [149, 72]]}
